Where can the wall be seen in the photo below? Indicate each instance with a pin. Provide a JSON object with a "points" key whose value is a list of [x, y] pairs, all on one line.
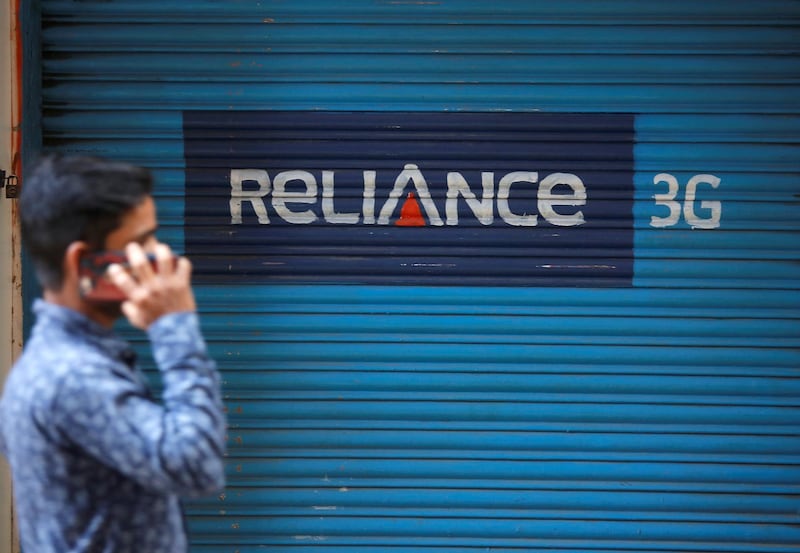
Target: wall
{"points": [[657, 411]]}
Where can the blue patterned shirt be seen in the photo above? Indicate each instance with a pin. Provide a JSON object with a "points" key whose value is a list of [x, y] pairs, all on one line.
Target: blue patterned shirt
{"points": [[97, 464]]}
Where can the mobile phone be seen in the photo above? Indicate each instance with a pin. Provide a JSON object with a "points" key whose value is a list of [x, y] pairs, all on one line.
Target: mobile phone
{"points": [[93, 278]]}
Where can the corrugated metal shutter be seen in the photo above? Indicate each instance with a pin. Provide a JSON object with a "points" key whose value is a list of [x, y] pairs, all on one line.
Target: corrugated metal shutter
{"points": [[661, 416]]}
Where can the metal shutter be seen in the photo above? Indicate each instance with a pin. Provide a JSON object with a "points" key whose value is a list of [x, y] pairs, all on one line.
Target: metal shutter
{"points": [[661, 415]]}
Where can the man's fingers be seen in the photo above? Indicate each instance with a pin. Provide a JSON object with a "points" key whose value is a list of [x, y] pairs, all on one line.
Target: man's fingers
{"points": [[121, 279], [140, 266], [164, 259], [184, 269], [154, 288]]}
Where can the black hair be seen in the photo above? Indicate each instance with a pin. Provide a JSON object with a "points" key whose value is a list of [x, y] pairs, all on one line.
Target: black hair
{"points": [[70, 198]]}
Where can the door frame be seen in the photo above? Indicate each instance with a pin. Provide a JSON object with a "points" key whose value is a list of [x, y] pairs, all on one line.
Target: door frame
{"points": [[11, 327]]}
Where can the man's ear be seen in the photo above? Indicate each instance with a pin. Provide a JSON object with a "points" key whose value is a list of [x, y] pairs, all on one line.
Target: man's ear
{"points": [[72, 259]]}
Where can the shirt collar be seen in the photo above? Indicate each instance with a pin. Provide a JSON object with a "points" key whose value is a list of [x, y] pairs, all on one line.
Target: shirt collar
{"points": [[80, 327]]}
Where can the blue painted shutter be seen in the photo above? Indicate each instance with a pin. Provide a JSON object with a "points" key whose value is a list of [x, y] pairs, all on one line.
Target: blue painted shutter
{"points": [[661, 416]]}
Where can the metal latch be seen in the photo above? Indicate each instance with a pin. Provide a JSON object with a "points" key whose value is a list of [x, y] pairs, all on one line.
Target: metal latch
{"points": [[11, 184]]}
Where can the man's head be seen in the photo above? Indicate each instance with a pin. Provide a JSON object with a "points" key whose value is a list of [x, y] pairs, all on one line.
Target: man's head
{"points": [[76, 199]]}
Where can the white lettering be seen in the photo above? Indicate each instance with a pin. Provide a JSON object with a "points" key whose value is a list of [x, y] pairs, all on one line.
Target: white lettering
{"points": [[328, 211], [667, 200], [255, 197], [483, 209], [410, 173], [280, 197], [295, 188], [547, 199], [715, 207], [503, 192], [368, 205]]}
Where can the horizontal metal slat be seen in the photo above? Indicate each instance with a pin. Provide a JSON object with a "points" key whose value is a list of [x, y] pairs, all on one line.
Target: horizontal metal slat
{"points": [[718, 98], [554, 474], [681, 11], [242, 67], [496, 531], [474, 444]]}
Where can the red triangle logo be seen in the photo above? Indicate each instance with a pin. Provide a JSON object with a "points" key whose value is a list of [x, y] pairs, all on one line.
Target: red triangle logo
{"points": [[410, 213]]}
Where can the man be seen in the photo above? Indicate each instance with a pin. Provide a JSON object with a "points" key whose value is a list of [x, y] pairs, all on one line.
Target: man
{"points": [[97, 464]]}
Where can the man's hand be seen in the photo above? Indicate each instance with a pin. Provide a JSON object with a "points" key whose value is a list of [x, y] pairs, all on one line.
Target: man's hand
{"points": [[153, 293]]}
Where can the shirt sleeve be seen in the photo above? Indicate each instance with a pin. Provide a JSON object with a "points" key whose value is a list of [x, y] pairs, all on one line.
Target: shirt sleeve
{"points": [[177, 445]]}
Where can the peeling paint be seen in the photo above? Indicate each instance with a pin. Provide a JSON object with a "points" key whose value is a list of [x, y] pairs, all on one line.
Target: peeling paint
{"points": [[578, 266], [310, 538]]}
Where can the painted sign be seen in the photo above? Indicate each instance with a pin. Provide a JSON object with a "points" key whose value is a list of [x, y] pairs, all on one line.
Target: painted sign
{"points": [[410, 197]]}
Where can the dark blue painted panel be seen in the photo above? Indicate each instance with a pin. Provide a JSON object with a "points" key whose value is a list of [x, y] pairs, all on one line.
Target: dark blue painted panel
{"points": [[410, 197]]}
